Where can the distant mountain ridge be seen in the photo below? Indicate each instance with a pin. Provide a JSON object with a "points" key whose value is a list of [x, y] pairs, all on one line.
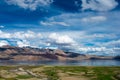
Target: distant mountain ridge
{"points": [[33, 54]]}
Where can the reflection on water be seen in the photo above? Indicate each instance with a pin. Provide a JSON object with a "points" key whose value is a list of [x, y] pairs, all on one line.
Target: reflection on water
{"points": [[78, 63]]}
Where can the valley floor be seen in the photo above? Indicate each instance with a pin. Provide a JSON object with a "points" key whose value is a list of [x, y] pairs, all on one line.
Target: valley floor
{"points": [[59, 73]]}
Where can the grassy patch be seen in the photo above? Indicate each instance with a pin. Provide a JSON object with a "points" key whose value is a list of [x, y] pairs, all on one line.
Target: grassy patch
{"points": [[24, 76], [51, 73]]}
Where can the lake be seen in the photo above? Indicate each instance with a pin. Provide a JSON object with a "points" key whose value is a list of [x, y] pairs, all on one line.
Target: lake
{"points": [[65, 63]]}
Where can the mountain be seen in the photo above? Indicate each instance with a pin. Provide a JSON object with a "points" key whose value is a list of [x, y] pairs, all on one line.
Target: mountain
{"points": [[33, 54]]}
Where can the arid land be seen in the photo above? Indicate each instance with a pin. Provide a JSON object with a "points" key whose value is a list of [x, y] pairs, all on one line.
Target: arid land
{"points": [[59, 73]]}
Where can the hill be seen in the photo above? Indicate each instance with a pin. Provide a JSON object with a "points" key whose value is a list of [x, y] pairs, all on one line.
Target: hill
{"points": [[33, 54]]}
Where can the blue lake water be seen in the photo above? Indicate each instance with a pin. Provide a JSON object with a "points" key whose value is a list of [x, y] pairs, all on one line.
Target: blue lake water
{"points": [[65, 63]]}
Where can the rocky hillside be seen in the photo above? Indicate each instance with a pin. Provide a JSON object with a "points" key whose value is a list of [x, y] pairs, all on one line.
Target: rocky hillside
{"points": [[28, 53], [32, 54]]}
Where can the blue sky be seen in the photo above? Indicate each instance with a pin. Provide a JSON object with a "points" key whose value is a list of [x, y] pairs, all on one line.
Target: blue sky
{"points": [[83, 26]]}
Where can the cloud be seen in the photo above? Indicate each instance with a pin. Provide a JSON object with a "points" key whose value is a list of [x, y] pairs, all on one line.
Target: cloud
{"points": [[88, 21], [3, 43], [2, 26], [54, 23], [76, 19], [29, 4], [23, 43], [20, 34], [14, 42], [99, 5], [4, 34], [112, 43], [25, 35], [92, 49], [30, 38], [94, 19], [61, 39], [20, 38], [81, 41]]}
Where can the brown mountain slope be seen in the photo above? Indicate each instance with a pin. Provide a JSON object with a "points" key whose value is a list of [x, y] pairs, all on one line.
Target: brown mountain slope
{"points": [[32, 54]]}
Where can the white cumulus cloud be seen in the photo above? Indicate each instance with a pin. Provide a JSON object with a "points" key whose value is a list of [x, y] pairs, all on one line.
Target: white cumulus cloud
{"points": [[3, 43], [99, 5], [29, 4], [20, 38], [61, 39], [20, 35], [75, 41], [26, 35], [4, 34], [23, 43]]}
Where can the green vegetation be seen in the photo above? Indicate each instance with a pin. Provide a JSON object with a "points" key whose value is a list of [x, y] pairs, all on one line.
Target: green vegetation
{"points": [[24, 76], [59, 73], [51, 73]]}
